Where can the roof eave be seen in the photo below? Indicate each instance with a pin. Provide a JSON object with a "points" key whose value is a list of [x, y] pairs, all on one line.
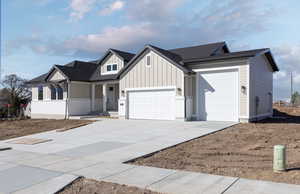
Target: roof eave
{"points": [[215, 59]]}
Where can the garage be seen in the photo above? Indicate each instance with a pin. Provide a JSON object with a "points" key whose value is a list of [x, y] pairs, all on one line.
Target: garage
{"points": [[218, 95], [156, 104]]}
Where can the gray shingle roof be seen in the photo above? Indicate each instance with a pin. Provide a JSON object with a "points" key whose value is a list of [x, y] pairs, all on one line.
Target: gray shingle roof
{"points": [[78, 70], [125, 55], [232, 55], [90, 71], [198, 51], [39, 79]]}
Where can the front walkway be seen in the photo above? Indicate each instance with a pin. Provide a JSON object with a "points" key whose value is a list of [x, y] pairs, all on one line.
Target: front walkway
{"points": [[99, 151]]}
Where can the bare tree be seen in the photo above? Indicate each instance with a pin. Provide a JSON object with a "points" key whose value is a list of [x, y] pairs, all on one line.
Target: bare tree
{"points": [[19, 93]]}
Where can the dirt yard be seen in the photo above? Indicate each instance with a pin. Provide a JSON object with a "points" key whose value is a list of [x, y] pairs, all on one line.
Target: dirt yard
{"points": [[85, 186], [11, 129], [244, 150]]}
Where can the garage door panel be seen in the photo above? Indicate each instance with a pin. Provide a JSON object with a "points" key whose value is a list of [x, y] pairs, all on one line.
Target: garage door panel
{"points": [[218, 95], [152, 104]]}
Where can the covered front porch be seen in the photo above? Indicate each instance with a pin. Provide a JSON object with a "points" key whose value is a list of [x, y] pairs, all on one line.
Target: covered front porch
{"points": [[104, 97]]}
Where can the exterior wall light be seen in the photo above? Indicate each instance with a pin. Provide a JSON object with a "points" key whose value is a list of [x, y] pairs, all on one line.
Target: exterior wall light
{"points": [[179, 91], [243, 89], [123, 93]]}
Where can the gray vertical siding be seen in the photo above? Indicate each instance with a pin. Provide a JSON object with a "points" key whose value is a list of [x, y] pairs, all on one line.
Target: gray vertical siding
{"points": [[190, 90], [80, 90], [261, 81]]}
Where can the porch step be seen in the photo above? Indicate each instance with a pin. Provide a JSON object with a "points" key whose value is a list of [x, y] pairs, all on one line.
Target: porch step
{"points": [[113, 114], [110, 114]]}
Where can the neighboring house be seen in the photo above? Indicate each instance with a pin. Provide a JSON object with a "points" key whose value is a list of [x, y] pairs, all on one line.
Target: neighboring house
{"points": [[206, 82]]}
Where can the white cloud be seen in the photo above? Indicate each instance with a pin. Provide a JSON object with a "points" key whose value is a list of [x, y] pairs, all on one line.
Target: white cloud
{"points": [[288, 60], [80, 8], [123, 37], [115, 6], [296, 78], [280, 75], [152, 10]]}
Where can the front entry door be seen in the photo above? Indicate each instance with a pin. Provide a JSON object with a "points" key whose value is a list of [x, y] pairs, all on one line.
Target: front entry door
{"points": [[111, 97]]}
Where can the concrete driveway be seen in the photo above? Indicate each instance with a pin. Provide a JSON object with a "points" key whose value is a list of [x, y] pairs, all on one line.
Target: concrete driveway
{"points": [[110, 134], [99, 151]]}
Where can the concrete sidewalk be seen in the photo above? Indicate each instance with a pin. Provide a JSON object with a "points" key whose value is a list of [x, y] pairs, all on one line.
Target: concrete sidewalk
{"points": [[99, 150]]}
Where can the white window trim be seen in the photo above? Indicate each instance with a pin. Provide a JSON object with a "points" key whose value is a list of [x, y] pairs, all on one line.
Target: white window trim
{"points": [[56, 94], [111, 71], [111, 65]]}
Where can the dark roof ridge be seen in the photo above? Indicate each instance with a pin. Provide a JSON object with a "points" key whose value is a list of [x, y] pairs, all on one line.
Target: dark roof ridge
{"points": [[113, 49], [222, 42], [234, 53]]}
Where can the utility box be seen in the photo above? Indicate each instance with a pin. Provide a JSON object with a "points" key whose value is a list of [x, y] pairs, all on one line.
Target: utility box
{"points": [[279, 160]]}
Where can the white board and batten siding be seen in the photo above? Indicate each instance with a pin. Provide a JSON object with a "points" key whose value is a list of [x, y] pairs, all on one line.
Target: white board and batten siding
{"points": [[112, 59], [224, 80], [160, 85]]}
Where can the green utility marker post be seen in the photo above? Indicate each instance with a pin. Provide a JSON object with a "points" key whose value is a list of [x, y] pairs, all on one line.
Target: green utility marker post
{"points": [[279, 160]]}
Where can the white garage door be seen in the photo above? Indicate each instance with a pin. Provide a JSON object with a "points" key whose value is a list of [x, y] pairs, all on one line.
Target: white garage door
{"points": [[218, 95], [152, 104]]}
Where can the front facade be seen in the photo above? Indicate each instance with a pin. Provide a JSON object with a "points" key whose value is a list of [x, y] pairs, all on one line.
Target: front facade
{"points": [[206, 82]]}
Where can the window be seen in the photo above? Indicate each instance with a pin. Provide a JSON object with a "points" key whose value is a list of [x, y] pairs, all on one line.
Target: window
{"points": [[148, 61], [53, 92], [112, 67], [40, 92], [60, 93]]}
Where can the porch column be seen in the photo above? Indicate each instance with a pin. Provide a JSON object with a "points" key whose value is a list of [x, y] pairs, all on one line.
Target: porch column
{"points": [[93, 97], [104, 97], [197, 97]]}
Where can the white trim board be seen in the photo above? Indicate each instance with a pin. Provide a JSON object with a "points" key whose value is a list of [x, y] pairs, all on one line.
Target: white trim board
{"points": [[151, 88], [217, 68]]}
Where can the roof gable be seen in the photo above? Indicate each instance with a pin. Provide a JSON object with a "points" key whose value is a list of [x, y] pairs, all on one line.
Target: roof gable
{"points": [[122, 54], [56, 76], [171, 57]]}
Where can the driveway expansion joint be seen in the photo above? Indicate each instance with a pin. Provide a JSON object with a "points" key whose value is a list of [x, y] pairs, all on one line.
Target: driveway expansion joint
{"points": [[236, 180], [155, 182]]}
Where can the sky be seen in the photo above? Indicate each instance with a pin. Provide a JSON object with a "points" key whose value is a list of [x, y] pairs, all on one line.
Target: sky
{"points": [[36, 34]]}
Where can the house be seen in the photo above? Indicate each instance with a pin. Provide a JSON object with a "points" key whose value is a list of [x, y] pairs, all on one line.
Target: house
{"points": [[205, 82]]}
